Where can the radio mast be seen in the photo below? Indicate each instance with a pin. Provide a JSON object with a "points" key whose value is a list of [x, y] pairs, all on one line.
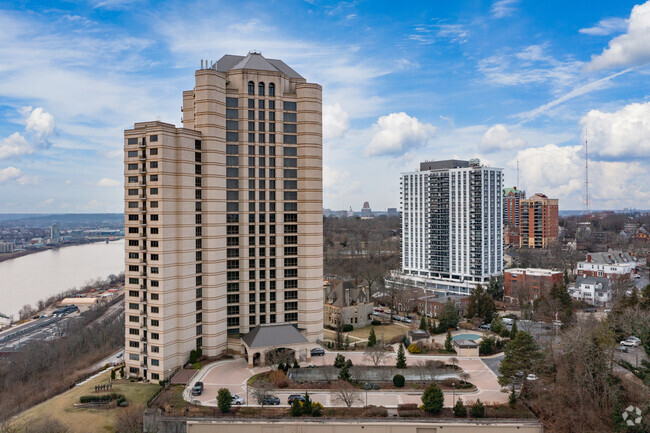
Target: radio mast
{"points": [[586, 173]]}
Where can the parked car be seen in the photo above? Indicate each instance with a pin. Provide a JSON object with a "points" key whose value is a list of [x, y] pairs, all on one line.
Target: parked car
{"points": [[590, 310], [270, 400], [531, 378], [293, 397], [629, 343], [633, 338], [197, 389], [237, 400], [318, 351], [485, 326]]}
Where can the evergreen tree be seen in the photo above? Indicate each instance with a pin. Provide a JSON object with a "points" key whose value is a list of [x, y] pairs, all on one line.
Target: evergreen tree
{"points": [[346, 344], [372, 338], [480, 304], [344, 373], [478, 410], [448, 342], [448, 318], [339, 361], [522, 354], [561, 294], [296, 408], [513, 330], [460, 411], [307, 405], [423, 323], [433, 399], [401, 357], [497, 324], [566, 277], [495, 289], [224, 400]]}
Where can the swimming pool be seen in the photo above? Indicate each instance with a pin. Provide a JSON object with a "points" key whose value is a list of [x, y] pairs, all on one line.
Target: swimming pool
{"points": [[466, 337]]}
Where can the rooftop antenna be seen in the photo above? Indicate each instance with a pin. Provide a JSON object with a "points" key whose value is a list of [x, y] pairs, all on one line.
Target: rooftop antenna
{"points": [[586, 172], [518, 174]]}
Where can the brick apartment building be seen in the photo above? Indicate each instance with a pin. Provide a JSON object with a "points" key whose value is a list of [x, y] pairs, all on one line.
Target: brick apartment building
{"points": [[538, 219], [537, 282], [512, 198]]}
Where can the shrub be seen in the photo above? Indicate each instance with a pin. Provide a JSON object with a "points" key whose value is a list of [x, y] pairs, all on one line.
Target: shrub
{"points": [[296, 408], [398, 381], [224, 400], [193, 356], [316, 409], [407, 406], [348, 328], [460, 411], [104, 398], [415, 348], [433, 399], [339, 361], [307, 405], [376, 322], [112, 374], [375, 411], [277, 376], [486, 346], [512, 398], [478, 410]]}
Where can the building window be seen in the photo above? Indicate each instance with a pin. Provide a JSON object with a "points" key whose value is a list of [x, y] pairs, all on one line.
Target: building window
{"points": [[251, 88], [271, 89], [260, 89]]}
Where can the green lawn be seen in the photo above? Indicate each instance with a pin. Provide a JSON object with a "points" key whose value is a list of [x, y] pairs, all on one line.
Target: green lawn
{"points": [[62, 408]]}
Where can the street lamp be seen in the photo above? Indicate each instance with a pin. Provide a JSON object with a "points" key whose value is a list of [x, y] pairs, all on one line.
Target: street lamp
{"points": [[453, 394]]}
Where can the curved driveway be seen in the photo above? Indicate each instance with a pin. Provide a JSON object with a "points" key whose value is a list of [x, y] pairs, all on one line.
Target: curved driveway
{"points": [[234, 374]]}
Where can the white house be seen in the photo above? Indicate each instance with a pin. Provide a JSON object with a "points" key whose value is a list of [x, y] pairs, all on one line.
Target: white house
{"points": [[593, 290], [608, 264]]}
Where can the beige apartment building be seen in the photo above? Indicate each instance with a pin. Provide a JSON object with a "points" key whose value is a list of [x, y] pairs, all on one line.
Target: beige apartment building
{"points": [[224, 215]]}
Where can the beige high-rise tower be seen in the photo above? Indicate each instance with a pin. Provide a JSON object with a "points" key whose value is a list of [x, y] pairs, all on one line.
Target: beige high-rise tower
{"points": [[224, 216]]}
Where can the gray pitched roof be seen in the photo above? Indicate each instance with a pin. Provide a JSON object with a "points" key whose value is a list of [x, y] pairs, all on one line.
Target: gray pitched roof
{"points": [[611, 257], [593, 280], [273, 335], [255, 61]]}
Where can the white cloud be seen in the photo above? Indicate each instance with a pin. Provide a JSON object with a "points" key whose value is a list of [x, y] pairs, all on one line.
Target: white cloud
{"points": [[430, 33], [531, 65], [108, 182], [558, 171], [503, 8], [498, 137], [623, 134], [9, 173], [39, 126], [578, 91], [631, 48], [606, 27], [335, 121], [29, 180], [40, 123], [14, 146], [397, 133]]}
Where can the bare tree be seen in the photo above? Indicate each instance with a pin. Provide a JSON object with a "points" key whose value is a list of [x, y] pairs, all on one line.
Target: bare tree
{"points": [[262, 392], [376, 354], [129, 420], [274, 357], [346, 394], [26, 312]]}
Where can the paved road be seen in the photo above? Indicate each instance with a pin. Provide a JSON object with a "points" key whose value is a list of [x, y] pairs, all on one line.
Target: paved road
{"points": [[494, 363], [233, 374]]}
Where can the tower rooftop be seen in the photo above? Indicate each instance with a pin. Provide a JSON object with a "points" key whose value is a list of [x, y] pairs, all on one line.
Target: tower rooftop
{"points": [[256, 61]]}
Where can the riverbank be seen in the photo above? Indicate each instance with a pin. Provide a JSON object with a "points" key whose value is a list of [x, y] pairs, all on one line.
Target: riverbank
{"points": [[22, 253], [35, 278]]}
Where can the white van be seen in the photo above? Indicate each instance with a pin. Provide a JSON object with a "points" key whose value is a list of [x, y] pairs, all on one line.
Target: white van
{"points": [[507, 321]]}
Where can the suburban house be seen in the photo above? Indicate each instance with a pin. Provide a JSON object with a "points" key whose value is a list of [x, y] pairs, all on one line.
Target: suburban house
{"points": [[608, 264], [345, 305], [530, 283], [594, 290]]}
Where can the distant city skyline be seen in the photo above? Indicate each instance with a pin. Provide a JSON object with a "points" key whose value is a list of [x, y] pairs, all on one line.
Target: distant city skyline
{"points": [[505, 81]]}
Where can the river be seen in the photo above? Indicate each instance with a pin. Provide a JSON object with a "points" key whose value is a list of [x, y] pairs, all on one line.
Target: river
{"points": [[27, 279]]}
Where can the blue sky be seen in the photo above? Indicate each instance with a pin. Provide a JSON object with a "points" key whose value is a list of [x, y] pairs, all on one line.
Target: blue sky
{"points": [[504, 81]]}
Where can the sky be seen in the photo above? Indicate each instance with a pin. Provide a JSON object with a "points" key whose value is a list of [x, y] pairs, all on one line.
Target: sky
{"points": [[507, 81]]}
